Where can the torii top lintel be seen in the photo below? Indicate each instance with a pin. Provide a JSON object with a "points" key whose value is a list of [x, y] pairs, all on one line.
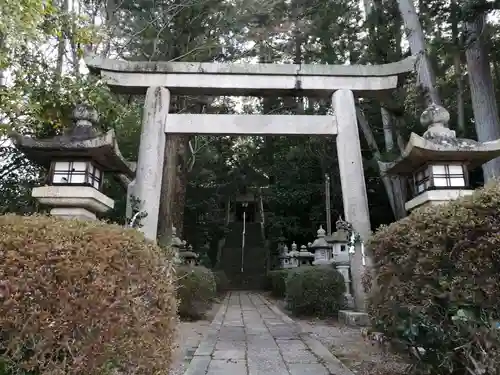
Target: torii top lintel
{"points": [[248, 79]]}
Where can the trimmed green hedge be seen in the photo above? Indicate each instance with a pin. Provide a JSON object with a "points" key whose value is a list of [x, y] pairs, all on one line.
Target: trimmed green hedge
{"points": [[277, 282], [315, 291], [437, 284], [196, 290], [222, 282]]}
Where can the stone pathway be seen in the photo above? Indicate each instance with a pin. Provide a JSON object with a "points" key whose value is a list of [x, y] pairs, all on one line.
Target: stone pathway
{"points": [[251, 336]]}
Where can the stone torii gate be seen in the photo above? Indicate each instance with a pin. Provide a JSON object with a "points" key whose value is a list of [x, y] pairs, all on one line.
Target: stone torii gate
{"points": [[160, 79]]}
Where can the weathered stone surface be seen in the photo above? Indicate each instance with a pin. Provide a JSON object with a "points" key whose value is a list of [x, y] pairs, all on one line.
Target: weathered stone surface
{"points": [[266, 366], [298, 356], [332, 363], [230, 345], [291, 345], [278, 348], [308, 369], [352, 179], [96, 63], [228, 333], [247, 79], [229, 354], [354, 318], [198, 365], [227, 367], [250, 124], [149, 171]]}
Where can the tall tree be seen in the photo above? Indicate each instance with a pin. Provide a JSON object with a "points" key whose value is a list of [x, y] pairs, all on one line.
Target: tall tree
{"points": [[426, 78], [482, 88]]}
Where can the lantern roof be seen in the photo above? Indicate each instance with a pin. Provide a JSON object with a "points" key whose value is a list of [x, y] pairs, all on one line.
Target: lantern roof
{"points": [[284, 253], [320, 241], [80, 141], [294, 252], [439, 144], [304, 253], [342, 234], [188, 254]]}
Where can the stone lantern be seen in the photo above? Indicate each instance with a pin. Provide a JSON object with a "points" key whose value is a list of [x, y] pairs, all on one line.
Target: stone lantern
{"points": [[77, 161], [294, 256], [322, 250], [437, 164], [339, 242], [189, 257], [284, 257], [305, 257], [176, 246]]}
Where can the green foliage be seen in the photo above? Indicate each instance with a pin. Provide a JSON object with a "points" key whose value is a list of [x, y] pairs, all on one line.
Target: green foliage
{"points": [[196, 291], [315, 291], [222, 282], [277, 282], [76, 296], [437, 284]]}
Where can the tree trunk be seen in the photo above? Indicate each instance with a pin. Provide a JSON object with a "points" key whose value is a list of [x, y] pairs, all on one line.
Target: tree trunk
{"points": [[173, 191], [426, 79], [61, 43], [387, 126], [457, 65], [482, 90], [394, 186]]}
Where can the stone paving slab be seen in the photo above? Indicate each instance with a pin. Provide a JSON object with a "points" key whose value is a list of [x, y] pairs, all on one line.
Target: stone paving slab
{"points": [[251, 336]]}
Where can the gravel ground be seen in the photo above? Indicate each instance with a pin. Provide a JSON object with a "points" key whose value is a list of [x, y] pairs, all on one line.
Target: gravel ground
{"points": [[189, 335], [348, 345]]}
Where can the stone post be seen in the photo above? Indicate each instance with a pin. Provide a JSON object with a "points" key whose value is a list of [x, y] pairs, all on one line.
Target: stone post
{"points": [[149, 170], [294, 256], [352, 180]]}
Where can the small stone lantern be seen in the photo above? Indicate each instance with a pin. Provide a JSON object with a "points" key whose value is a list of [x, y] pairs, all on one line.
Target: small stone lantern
{"points": [[322, 250], [189, 257], [284, 257], [176, 245], [294, 256], [438, 163], [305, 257], [339, 242], [77, 161]]}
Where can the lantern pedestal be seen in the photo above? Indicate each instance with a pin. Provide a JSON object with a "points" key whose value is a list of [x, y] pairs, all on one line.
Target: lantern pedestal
{"points": [[82, 202], [432, 197], [354, 318]]}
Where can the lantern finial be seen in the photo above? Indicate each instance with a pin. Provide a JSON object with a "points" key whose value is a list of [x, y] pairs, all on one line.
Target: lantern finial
{"points": [[436, 118], [321, 232]]}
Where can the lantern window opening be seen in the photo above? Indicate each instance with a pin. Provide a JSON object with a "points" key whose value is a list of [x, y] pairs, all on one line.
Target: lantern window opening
{"points": [[440, 176], [76, 172], [422, 180], [448, 175]]}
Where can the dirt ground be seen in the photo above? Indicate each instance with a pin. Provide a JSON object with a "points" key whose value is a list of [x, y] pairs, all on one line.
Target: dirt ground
{"points": [[189, 335]]}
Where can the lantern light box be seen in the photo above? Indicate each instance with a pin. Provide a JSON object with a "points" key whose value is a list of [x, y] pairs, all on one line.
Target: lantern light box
{"points": [[81, 172]]}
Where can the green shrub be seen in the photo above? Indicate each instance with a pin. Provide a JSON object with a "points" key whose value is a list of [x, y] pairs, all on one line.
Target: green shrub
{"points": [[196, 291], [83, 297], [277, 281], [222, 282], [315, 291], [437, 284]]}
